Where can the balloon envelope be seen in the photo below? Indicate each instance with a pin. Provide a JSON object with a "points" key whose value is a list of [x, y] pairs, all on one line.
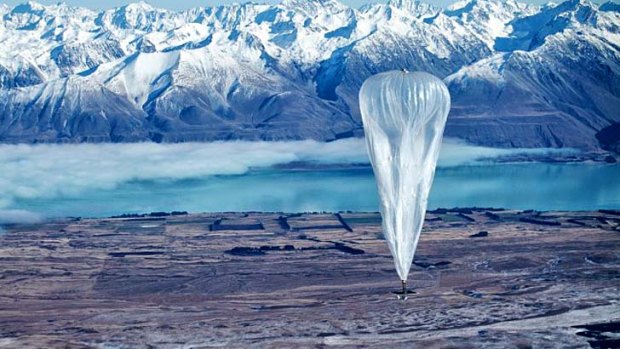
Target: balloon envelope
{"points": [[404, 116]]}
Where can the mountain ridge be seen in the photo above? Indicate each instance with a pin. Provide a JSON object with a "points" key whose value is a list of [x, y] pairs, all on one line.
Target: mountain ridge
{"points": [[520, 75]]}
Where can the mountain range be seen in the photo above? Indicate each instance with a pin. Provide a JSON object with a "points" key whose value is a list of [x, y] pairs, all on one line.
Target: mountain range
{"points": [[519, 75]]}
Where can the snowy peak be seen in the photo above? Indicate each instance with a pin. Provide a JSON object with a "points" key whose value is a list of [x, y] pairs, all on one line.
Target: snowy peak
{"points": [[416, 7], [488, 19], [294, 69], [530, 32], [313, 6], [297, 32], [140, 16], [486, 7], [29, 7], [139, 6], [460, 7]]}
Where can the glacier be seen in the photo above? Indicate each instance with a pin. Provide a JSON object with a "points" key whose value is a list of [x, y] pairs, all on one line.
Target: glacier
{"points": [[520, 75]]}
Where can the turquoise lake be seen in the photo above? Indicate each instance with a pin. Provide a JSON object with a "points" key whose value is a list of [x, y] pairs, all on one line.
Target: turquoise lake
{"points": [[536, 186]]}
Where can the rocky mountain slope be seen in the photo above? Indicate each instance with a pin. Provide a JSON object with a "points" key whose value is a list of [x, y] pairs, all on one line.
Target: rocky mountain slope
{"points": [[520, 75]]}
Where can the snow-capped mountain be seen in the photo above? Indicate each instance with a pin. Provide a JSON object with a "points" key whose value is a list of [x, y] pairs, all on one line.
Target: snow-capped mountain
{"points": [[520, 75]]}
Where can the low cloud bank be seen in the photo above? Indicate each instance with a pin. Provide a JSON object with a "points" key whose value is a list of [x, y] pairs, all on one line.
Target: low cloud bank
{"points": [[50, 170], [19, 216], [455, 152]]}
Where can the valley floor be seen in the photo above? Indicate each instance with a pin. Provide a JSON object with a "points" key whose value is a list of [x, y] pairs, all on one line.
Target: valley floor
{"points": [[482, 278]]}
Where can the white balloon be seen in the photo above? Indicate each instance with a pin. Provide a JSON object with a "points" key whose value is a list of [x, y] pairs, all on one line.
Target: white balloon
{"points": [[404, 115]]}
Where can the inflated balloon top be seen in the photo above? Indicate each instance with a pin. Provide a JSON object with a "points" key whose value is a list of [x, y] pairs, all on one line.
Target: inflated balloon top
{"points": [[404, 115]]}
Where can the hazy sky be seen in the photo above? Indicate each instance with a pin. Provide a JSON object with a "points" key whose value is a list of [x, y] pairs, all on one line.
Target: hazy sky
{"points": [[184, 4]]}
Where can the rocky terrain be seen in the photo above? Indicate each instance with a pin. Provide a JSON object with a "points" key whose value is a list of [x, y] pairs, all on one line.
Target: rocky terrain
{"points": [[482, 278], [520, 75]]}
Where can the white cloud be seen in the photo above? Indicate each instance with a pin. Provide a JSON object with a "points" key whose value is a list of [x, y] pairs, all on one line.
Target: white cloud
{"points": [[455, 152], [19, 216], [37, 171]]}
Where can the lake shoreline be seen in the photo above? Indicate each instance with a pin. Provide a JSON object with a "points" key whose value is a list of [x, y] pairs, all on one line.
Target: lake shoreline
{"points": [[544, 158], [491, 212]]}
